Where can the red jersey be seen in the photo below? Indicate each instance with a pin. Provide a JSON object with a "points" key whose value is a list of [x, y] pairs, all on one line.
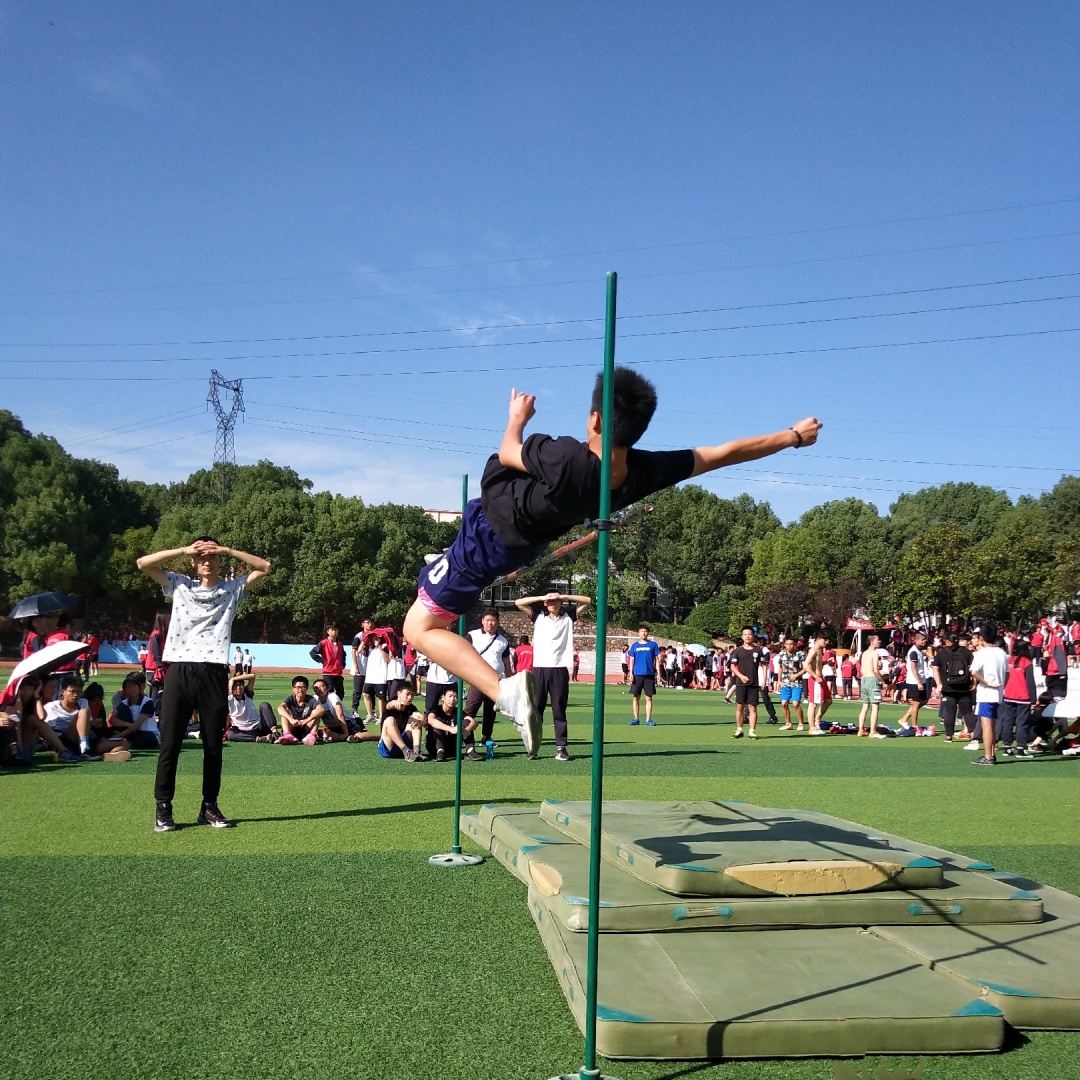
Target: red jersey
{"points": [[333, 656], [52, 639]]}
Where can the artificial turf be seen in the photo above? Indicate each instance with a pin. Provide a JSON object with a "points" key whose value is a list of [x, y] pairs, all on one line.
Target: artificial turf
{"points": [[314, 940]]}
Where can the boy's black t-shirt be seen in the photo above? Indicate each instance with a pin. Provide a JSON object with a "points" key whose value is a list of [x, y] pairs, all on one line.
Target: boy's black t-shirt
{"points": [[746, 660], [561, 487]]}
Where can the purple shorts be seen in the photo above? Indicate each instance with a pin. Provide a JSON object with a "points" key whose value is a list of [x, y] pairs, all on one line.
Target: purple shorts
{"points": [[452, 584]]}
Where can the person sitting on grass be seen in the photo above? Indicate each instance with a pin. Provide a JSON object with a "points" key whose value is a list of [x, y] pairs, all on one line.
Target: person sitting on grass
{"points": [[134, 718], [24, 720], [69, 717], [103, 740], [402, 726], [442, 729], [246, 722], [300, 715], [532, 491], [334, 721]]}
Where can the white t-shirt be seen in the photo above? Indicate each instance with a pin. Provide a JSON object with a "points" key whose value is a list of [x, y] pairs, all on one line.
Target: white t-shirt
{"points": [[201, 625], [992, 664], [242, 713], [492, 649], [438, 674], [59, 719], [918, 670], [331, 706], [375, 672], [395, 669], [553, 640], [359, 659]]}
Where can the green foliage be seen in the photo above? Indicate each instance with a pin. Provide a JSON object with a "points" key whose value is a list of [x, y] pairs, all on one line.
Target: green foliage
{"points": [[1062, 506], [934, 574], [973, 507], [714, 615], [677, 632]]}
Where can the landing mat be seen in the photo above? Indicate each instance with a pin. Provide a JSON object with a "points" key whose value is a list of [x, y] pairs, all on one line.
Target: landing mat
{"points": [[519, 826], [1031, 973], [561, 873], [736, 849], [768, 993]]}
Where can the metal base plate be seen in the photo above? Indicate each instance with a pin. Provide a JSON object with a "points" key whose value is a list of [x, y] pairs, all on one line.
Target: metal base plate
{"points": [[460, 859]]}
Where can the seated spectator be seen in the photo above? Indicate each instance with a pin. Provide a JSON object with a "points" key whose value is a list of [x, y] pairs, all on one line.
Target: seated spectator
{"points": [[300, 714], [336, 724], [402, 726], [245, 723], [442, 728], [120, 695], [29, 712], [69, 718], [102, 741], [134, 717]]}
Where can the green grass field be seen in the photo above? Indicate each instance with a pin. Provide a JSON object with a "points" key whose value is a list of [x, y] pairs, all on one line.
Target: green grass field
{"points": [[315, 941]]}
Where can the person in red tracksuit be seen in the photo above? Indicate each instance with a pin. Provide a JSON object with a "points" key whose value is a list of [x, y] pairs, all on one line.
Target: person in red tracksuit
{"points": [[330, 652]]}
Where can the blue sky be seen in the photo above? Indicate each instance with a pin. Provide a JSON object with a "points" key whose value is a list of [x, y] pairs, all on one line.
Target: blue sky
{"points": [[383, 216]]}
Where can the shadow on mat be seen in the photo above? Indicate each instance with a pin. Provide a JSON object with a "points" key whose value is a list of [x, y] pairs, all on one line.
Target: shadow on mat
{"points": [[375, 811]]}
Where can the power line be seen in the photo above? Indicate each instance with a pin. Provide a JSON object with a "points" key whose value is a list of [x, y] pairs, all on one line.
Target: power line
{"points": [[627, 276], [459, 346], [518, 260], [525, 325]]}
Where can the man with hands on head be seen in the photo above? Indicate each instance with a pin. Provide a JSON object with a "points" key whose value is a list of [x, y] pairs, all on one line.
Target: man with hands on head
{"points": [[197, 652]]}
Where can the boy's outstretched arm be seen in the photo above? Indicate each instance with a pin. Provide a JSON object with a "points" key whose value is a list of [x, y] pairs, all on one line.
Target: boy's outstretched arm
{"points": [[522, 410], [707, 458]]}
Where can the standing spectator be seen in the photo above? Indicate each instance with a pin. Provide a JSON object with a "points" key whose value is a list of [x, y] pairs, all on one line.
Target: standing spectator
{"points": [[92, 657], [918, 671], [492, 645], [155, 646], [300, 714], [32, 640], [819, 698], [1074, 640], [870, 682], [523, 655], [828, 670], [576, 668], [989, 669], [790, 663], [644, 656], [330, 652], [847, 672], [247, 723], [553, 655], [377, 663], [62, 632], [395, 664], [744, 667], [238, 661], [1019, 696], [625, 664], [764, 669], [1057, 664], [359, 666], [952, 673], [197, 652], [249, 662]]}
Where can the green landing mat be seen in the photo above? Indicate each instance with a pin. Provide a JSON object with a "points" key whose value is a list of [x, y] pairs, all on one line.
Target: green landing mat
{"points": [[736, 849], [561, 873], [505, 854], [518, 826], [767, 993], [1031, 973]]}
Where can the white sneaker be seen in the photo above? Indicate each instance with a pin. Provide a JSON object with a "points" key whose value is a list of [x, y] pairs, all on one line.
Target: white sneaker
{"points": [[752, 733], [516, 701], [974, 745]]}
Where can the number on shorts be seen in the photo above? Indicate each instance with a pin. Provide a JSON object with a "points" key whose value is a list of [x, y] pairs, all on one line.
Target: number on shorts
{"points": [[438, 570]]}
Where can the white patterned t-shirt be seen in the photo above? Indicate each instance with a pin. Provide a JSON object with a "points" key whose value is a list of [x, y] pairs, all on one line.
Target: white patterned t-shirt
{"points": [[200, 629]]}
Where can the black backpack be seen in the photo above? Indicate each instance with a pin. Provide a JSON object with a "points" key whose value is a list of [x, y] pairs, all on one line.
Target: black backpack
{"points": [[957, 671]]}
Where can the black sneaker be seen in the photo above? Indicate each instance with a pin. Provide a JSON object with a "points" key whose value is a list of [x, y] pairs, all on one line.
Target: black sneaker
{"points": [[440, 754], [984, 760], [1007, 751], [209, 814], [562, 755], [472, 755], [163, 819]]}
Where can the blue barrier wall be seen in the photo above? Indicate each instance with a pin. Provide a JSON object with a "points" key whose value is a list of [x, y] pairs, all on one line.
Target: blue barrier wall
{"points": [[294, 657]]}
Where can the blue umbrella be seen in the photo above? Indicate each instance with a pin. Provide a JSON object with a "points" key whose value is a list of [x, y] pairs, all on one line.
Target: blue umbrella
{"points": [[41, 603]]}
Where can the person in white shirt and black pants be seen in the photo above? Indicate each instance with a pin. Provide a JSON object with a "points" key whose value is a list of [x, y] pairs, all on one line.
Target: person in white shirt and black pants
{"points": [[553, 656]]}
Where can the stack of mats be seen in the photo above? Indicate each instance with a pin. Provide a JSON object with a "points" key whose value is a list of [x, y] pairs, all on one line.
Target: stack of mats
{"points": [[847, 941]]}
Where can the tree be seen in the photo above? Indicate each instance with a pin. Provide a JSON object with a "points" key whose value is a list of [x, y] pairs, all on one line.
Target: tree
{"points": [[1062, 506], [934, 575], [714, 615], [973, 507], [784, 606]]}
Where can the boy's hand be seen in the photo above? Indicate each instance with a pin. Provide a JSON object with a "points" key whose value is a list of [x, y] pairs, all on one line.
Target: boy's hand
{"points": [[808, 429], [522, 407]]}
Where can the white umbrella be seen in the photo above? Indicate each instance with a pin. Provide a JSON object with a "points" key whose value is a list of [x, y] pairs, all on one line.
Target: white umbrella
{"points": [[697, 650], [52, 656]]}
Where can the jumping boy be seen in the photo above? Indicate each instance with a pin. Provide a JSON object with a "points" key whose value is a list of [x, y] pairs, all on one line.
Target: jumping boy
{"points": [[197, 652], [532, 491]]}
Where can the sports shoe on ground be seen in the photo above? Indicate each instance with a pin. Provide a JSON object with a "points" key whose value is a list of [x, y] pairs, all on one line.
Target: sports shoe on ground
{"points": [[90, 757], [984, 760], [786, 727], [753, 734], [117, 755], [1023, 755], [288, 739], [69, 757], [409, 754], [973, 745], [738, 733], [472, 755], [163, 819], [635, 722], [879, 735], [948, 738], [1072, 751], [516, 701], [1007, 751], [650, 722], [440, 754], [310, 739], [562, 755], [209, 814]]}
